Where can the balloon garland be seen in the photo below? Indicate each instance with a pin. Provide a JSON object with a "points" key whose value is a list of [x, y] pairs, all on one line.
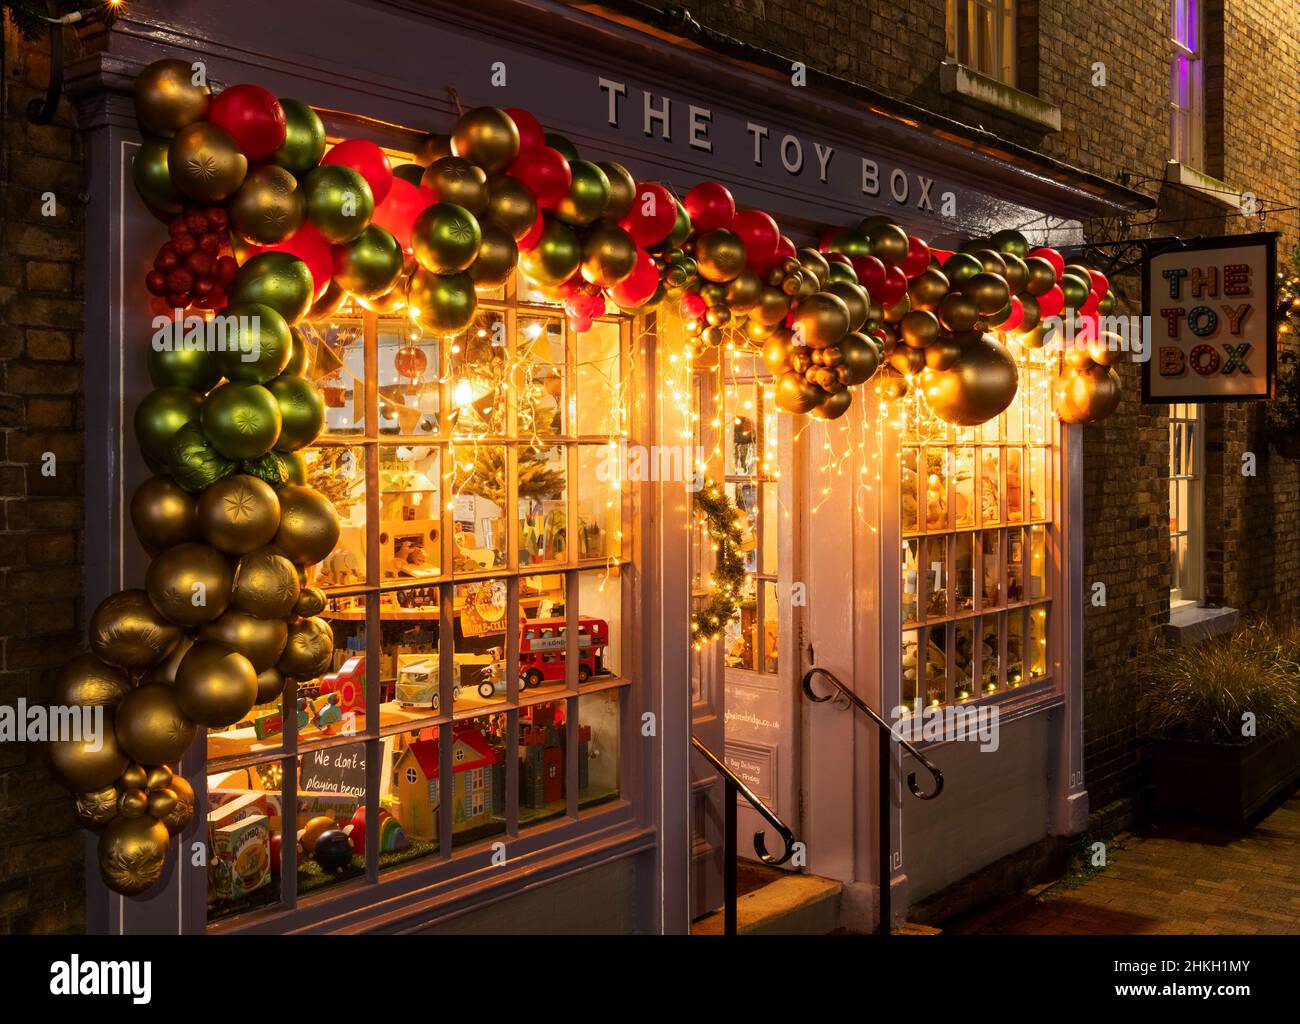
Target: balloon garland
{"points": [[726, 525]]}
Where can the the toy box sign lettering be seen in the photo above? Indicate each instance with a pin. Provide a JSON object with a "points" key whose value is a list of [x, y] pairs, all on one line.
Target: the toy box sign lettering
{"points": [[1211, 309], [335, 770]]}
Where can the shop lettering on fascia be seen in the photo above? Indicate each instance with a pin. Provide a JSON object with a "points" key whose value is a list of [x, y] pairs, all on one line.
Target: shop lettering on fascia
{"points": [[746, 141], [1211, 307]]}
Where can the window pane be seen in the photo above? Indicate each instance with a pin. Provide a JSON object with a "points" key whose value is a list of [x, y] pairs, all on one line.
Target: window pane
{"points": [[771, 523], [408, 666], [1038, 641], [936, 665], [964, 558], [331, 795], [600, 502], [478, 495], [543, 505], [543, 657], [991, 653], [741, 429], [477, 376], [408, 797], [991, 570], [598, 737], [478, 779], [911, 579], [1015, 566], [243, 839], [600, 607], [540, 377], [964, 469], [964, 659], [598, 399], [909, 661], [339, 473], [410, 388], [410, 511], [479, 662], [338, 368], [1015, 646], [936, 579], [909, 483], [771, 628], [543, 736], [936, 488]]}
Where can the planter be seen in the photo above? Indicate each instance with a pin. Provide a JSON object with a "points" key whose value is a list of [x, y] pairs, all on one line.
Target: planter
{"points": [[1224, 783], [1286, 443]]}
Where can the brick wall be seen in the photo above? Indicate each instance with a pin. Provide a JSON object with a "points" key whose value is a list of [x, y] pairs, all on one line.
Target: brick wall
{"points": [[41, 410]]}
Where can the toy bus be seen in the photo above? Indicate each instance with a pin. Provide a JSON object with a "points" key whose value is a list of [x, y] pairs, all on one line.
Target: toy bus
{"points": [[542, 646]]}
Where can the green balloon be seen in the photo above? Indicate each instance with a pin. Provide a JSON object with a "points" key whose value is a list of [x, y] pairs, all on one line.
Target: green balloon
{"points": [[160, 414], [442, 303], [297, 365], [961, 266], [842, 272], [339, 202], [1010, 240], [276, 279], [295, 466], [152, 178], [304, 138], [851, 242], [412, 173], [1076, 291], [178, 365], [555, 257], [681, 229], [1107, 305], [446, 238], [302, 412], [370, 264], [588, 194], [271, 467], [971, 245], [194, 463], [241, 420], [257, 344], [566, 148]]}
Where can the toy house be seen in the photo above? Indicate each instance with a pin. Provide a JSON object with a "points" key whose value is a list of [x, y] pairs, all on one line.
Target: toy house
{"points": [[415, 783], [541, 758]]}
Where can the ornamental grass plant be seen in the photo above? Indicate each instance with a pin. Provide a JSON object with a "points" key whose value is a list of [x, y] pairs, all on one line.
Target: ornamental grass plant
{"points": [[1203, 692]]}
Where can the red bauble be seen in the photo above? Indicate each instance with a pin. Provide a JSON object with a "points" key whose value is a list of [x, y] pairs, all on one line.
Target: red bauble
{"points": [[531, 132], [1051, 302], [917, 260], [1017, 315], [311, 247], [893, 288], [871, 275], [710, 206], [941, 255], [824, 243], [1100, 285], [653, 214], [410, 361], [692, 306], [253, 116], [759, 233], [398, 212], [368, 160], [640, 285], [1054, 258], [1090, 304], [530, 240], [545, 173]]}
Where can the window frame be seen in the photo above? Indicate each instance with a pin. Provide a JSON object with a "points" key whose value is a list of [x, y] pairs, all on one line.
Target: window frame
{"points": [[963, 24], [1187, 416], [1187, 123]]}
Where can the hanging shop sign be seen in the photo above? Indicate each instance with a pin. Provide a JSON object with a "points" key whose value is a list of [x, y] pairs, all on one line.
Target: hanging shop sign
{"points": [[1210, 306]]}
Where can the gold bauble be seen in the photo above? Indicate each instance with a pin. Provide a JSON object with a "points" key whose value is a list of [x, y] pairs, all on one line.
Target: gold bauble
{"points": [[160, 803], [261, 641], [958, 312], [744, 292], [431, 148], [238, 514], [132, 852], [773, 307], [776, 353], [270, 684], [855, 298], [266, 585], [309, 650], [215, 685], [928, 289], [988, 291], [820, 320], [269, 206], [189, 584], [1108, 349], [833, 406], [977, 387], [311, 601], [942, 354], [907, 360], [898, 310], [87, 682], [166, 98], [815, 263], [205, 162], [1087, 395], [892, 385], [132, 803], [150, 726], [157, 776], [309, 526], [90, 763], [98, 807], [454, 179], [794, 393], [162, 513], [134, 776], [165, 670], [511, 206], [919, 328], [719, 255], [486, 136], [184, 810], [126, 630], [860, 359]]}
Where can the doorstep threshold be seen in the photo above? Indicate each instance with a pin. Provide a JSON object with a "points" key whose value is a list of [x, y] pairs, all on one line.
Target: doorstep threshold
{"points": [[790, 905]]}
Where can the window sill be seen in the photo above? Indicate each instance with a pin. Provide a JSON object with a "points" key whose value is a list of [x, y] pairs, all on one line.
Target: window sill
{"points": [[1198, 181], [989, 94], [1190, 624]]}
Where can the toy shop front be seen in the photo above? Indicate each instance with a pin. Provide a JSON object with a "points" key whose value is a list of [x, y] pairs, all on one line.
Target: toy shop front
{"points": [[573, 526]]}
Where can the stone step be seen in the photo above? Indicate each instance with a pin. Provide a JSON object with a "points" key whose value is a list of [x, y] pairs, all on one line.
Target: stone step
{"points": [[789, 905]]}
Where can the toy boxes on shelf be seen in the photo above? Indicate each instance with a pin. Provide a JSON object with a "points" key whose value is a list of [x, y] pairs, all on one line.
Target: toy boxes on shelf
{"points": [[239, 843]]}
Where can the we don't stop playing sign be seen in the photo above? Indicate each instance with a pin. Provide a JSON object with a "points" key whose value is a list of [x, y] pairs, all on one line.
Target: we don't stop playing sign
{"points": [[1210, 309]]}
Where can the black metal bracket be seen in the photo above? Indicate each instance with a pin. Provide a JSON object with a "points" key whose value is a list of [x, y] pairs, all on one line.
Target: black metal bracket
{"points": [[42, 111], [1123, 254]]}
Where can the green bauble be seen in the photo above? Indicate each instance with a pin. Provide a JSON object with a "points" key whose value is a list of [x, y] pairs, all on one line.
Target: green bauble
{"points": [[1010, 240], [180, 366], [258, 343], [370, 264], [622, 191], [295, 467], [276, 279], [194, 463], [410, 173], [339, 202], [681, 229], [271, 467], [304, 138], [588, 194], [160, 414], [555, 257], [298, 355], [562, 145], [445, 238], [241, 420], [1075, 290], [302, 412], [442, 303], [961, 266], [152, 178]]}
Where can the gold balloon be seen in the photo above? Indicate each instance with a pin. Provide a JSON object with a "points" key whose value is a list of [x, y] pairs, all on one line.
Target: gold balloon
{"points": [[184, 810], [238, 514], [1016, 273], [511, 206], [888, 242], [151, 728], [134, 776], [128, 632], [608, 255], [166, 98], [776, 353], [773, 307], [165, 670], [269, 206], [795, 394], [157, 776], [310, 602], [132, 803], [1108, 349], [189, 584], [98, 807], [454, 179], [309, 526], [942, 354], [497, 255], [927, 289], [892, 385], [261, 641], [820, 320], [1041, 275], [488, 137], [91, 762], [744, 292], [906, 360], [833, 406], [622, 191], [719, 255], [860, 359], [266, 585], [205, 162], [309, 651], [815, 263], [919, 328], [958, 312], [431, 148], [270, 685], [1087, 395], [988, 291], [132, 852], [160, 803], [162, 513], [855, 297], [215, 685], [87, 682], [978, 386], [898, 310]]}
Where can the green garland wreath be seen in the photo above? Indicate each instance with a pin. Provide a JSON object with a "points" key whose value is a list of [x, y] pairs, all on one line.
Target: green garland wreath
{"points": [[727, 530]]}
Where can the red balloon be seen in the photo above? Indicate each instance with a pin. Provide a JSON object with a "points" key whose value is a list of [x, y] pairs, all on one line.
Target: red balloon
{"points": [[693, 305], [941, 255], [760, 234], [710, 205], [398, 212], [824, 243], [530, 240], [1099, 283], [1053, 257], [1052, 301], [531, 132], [784, 250], [838, 257], [917, 260], [368, 160], [871, 275], [311, 247], [1090, 304], [892, 289], [1017, 315], [653, 214], [545, 173], [638, 286], [253, 116]]}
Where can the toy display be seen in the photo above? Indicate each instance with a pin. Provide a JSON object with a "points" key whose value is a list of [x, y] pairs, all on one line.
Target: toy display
{"points": [[332, 850], [349, 683], [542, 645], [415, 782], [240, 858]]}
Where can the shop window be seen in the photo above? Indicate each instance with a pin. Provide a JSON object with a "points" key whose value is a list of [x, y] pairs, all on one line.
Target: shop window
{"points": [[982, 36], [975, 574], [1187, 83], [479, 583], [1186, 504]]}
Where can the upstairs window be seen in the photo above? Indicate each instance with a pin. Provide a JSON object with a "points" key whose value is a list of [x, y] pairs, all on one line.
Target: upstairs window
{"points": [[1186, 83], [982, 36]]}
